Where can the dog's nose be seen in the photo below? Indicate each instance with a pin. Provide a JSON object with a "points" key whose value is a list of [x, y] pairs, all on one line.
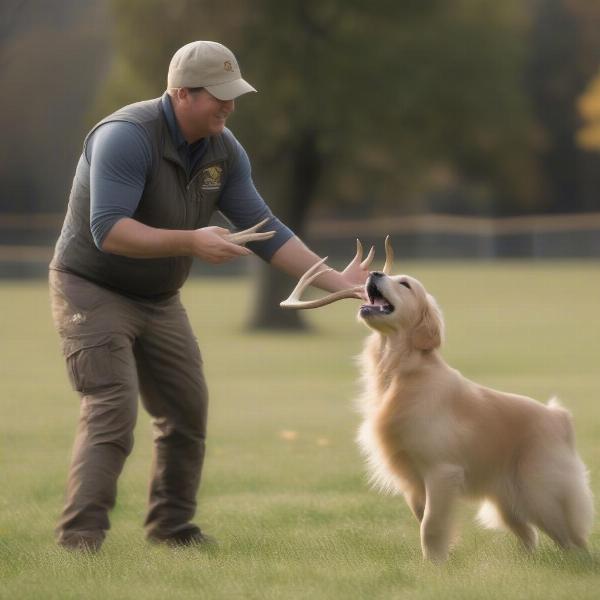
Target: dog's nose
{"points": [[376, 274]]}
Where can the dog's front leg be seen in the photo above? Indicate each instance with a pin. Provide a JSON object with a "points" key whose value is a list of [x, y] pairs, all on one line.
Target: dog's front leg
{"points": [[415, 498], [443, 485]]}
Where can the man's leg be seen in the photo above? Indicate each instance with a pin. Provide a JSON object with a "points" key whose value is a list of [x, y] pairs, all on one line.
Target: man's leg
{"points": [[102, 369], [175, 394]]}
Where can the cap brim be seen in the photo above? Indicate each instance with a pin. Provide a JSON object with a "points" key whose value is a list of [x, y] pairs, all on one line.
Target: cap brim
{"points": [[230, 90]]}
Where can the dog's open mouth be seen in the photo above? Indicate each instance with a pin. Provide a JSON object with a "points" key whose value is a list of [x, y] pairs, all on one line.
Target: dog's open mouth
{"points": [[378, 303]]}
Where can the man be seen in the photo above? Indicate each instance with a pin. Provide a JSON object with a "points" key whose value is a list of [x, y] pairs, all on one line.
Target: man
{"points": [[148, 180]]}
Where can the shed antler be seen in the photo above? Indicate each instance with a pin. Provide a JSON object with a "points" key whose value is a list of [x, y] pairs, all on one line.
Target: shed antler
{"points": [[293, 301], [250, 235]]}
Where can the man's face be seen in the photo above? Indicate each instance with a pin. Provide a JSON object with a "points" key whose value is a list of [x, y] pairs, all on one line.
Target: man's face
{"points": [[206, 115]]}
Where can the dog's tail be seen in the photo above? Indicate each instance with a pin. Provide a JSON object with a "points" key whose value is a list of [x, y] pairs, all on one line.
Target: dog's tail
{"points": [[489, 517]]}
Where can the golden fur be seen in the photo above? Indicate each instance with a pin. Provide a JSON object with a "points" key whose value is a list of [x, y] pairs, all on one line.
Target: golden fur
{"points": [[434, 436]]}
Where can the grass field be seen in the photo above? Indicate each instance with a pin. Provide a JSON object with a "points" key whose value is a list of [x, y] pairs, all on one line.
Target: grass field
{"points": [[292, 512]]}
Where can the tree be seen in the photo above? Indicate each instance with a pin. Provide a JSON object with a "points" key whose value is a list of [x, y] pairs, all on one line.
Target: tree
{"points": [[357, 100], [52, 55], [589, 109], [565, 54], [366, 97]]}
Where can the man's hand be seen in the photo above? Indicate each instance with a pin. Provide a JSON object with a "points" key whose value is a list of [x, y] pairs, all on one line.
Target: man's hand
{"points": [[295, 258], [218, 245], [210, 244], [357, 271]]}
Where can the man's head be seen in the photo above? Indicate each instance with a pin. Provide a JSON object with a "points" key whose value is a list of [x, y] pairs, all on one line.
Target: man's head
{"points": [[203, 81], [207, 65]]}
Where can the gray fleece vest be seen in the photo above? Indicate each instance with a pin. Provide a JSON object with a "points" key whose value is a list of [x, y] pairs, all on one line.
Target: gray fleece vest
{"points": [[170, 200]]}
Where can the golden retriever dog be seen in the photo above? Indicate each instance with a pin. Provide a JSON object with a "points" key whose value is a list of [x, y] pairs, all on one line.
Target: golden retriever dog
{"points": [[434, 436]]}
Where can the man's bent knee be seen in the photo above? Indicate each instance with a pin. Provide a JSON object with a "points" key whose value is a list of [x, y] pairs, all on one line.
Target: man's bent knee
{"points": [[110, 416]]}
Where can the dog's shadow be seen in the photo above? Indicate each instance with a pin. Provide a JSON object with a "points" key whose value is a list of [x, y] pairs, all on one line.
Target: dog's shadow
{"points": [[576, 562]]}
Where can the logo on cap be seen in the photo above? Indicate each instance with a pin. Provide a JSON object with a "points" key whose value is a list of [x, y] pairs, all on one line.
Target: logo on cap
{"points": [[227, 65]]}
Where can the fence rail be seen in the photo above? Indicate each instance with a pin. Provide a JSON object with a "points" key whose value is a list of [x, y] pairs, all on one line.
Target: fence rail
{"points": [[26, 241], [439, 223]]}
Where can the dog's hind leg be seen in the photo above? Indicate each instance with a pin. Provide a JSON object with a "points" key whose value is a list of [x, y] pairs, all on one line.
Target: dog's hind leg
{"points": [[561, 503], [552, 521], [548, 512], [579, 505], [443, 485], [519, 526]]}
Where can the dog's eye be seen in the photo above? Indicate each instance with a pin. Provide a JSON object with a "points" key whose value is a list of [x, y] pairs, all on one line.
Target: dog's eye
{"points": [[405, 284]]}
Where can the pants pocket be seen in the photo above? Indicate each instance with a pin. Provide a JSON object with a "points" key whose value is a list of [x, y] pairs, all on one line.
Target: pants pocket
{"points": [[89, 362]]}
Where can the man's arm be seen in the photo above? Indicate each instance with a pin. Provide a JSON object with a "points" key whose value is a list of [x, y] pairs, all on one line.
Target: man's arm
{"points": [[243, 205], [129, 237]]}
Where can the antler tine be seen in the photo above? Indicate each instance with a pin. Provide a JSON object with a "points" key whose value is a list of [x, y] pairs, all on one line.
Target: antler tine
{"points": [[312, 274], [389, 256], [294, 301], [358, 256], [365, 264], [250, 234], [303, 283]]}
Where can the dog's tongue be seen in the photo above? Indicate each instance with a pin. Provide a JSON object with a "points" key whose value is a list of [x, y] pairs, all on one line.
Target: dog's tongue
{"points": [[379, 302]]}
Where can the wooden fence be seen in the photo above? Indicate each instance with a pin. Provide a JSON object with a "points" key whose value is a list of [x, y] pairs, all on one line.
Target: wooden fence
{"points": [[26, 241]]}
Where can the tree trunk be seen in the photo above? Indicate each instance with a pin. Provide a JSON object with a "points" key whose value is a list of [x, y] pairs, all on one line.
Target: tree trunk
{"points": [[272, 286]]}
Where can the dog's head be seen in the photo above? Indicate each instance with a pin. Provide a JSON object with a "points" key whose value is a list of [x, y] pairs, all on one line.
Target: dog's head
{"points": [[399, 304]]}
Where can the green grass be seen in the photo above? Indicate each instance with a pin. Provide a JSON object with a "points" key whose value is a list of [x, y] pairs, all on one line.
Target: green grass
{"points": [[295, 518]]}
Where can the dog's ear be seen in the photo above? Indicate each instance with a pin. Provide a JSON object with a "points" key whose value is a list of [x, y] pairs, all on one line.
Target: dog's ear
{"points": [[429, 331]]}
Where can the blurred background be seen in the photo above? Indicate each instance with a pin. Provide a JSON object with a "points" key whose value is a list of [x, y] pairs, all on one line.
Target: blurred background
{"points": [[463, 128]]}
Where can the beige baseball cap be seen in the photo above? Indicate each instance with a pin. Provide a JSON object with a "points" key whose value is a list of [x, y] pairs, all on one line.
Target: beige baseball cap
{"points": [[209, 65]]}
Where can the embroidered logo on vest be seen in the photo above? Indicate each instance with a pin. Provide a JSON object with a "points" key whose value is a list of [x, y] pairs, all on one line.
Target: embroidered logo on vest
{"points": [[211, 178]]}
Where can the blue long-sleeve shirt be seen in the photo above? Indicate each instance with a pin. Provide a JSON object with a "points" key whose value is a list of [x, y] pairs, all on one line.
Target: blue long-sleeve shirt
{"points": [[120, 159]]}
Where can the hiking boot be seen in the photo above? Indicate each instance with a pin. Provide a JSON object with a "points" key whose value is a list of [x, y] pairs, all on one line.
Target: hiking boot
{"points": [[80, 542], [188, 537]]}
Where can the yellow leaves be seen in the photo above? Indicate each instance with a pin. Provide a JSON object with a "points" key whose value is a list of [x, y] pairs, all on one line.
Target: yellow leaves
{"points": [[589, 108], [293, 436]]}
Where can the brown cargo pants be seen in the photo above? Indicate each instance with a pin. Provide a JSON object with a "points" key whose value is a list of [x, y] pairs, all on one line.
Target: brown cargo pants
{"points": [[114, 347]]}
